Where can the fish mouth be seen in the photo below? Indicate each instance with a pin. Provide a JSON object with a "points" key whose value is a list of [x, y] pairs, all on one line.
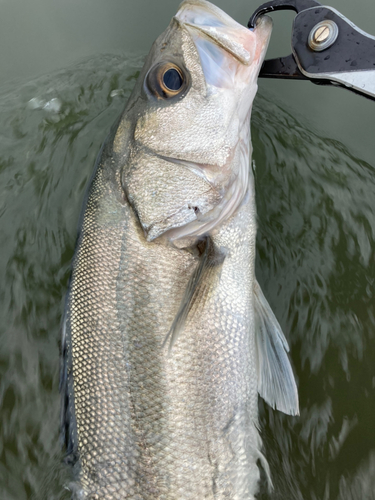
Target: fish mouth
{"points": [[231, 55]]}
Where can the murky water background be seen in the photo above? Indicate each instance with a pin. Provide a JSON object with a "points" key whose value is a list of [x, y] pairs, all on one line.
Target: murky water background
{"points": [[315, 195]]}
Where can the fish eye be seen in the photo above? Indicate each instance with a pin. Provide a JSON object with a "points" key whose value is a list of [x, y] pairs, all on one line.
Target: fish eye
{"points": [[172, 79], [166, 80]]}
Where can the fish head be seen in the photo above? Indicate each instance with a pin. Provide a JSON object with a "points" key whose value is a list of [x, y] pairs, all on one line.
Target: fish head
{"points": [[188, 122]]}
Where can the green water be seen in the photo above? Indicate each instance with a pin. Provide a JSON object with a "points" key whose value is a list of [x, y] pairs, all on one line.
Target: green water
{"points": [[315, 181]]}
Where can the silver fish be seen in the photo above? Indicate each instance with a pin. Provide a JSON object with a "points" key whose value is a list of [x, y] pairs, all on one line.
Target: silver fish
{"points": [[167, 337]]}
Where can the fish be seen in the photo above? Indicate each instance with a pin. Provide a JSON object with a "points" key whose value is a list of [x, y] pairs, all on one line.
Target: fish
{"points": [[167, 338]]}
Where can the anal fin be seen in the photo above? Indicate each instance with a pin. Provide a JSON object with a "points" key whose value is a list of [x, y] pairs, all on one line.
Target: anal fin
{"points": [[276, 382]]}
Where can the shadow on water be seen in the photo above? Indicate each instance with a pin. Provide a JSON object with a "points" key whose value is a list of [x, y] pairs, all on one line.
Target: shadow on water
{"points": [[315, 263]]}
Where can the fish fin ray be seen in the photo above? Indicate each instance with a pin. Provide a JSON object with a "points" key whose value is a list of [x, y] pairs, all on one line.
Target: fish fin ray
{"points": [[210, 260], [276, 383], [267, 471]]}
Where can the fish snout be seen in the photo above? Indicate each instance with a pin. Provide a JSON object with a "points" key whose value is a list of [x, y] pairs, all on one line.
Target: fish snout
{"points": [[231, 55]]}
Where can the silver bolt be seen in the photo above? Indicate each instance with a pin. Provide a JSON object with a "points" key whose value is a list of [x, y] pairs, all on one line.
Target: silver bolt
{"points": [[323, 35]]}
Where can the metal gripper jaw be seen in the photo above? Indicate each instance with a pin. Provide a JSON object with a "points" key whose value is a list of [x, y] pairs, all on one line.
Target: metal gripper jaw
{"points": [[327, 48]]}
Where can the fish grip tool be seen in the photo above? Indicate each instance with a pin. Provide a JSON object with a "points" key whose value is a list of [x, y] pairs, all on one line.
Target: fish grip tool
{"points": [[327, 48]]}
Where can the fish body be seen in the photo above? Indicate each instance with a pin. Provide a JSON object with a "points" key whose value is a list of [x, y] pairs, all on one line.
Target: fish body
{"points": [[162, 358]]}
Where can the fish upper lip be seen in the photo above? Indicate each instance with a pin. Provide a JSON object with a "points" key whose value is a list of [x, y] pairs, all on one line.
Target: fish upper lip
{"points": [[235, 48], [217, 25], [244, 45]]}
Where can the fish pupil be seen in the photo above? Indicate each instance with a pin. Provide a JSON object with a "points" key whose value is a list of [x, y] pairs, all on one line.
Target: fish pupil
{"points": [[172, 79]]}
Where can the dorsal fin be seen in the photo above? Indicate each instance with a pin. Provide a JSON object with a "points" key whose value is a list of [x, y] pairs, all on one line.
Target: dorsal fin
{"points": [[276, 382]]}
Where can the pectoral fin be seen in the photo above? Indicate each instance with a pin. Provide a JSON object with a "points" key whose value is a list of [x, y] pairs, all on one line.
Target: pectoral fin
{"points": [[276, 382], [199, 285]]}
